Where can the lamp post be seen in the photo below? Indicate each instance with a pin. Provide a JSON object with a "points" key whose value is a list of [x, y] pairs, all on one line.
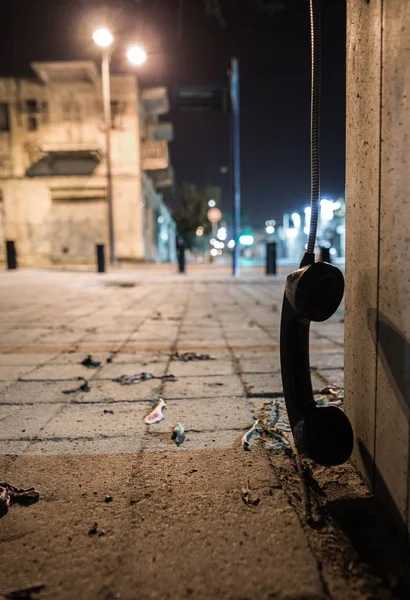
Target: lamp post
{"points": [[136, 55]]}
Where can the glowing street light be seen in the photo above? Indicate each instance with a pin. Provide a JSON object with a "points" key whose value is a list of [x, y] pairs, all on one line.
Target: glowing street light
{"points": [[246, 239], [296, 219], [102, 37], [270, 229], [136, 55], [212, 203], [222, 233]]}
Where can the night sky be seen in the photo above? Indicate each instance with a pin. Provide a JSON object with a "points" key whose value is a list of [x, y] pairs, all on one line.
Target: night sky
{"points": [[194, 47]]}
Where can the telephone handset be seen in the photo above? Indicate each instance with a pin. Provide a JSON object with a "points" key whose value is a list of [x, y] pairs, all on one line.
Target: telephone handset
{"points": [[312, 293]]}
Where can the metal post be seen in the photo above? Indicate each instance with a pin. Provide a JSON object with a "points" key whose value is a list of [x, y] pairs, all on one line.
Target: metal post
{"points": [[181, 256], [11, 255], [325, 254], [236, 167], [105, 71], [100, 258], [271, 258]]}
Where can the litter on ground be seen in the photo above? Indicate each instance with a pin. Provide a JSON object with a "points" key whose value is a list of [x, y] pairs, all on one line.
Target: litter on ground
{"points": [[178, 434], [247, 436], [156, 415], [84, 387], [10, 494], [187, 356], [90, 363]]}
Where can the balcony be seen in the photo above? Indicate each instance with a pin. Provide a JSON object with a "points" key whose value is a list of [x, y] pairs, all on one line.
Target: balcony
{"points": [[155, 155], [163, 178], [66, 72]]}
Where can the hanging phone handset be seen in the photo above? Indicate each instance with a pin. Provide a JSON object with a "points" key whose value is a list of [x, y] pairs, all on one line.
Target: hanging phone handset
{"points": [[312, 293]]}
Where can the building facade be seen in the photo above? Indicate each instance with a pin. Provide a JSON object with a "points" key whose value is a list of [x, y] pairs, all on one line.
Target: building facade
{"points": [[53, 169]]}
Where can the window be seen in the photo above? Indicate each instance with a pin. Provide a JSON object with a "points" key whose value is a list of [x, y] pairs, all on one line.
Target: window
{"points": [[37, 113], [117, 112], [114, 112], [4, 117]]}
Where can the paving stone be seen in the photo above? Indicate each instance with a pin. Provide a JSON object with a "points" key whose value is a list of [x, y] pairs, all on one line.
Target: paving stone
{"points": [[143, 358], [333, 376], [262, 363], [204, 387], [59, 372], [24, 359], [116, 370], [322, 360], [263, 383], [89, 420], [37, 392], [11, 373], [134, 347], [13, 447], [111, 391], [4, 385], [208, 346], [18, 421], [205, 414], [200, 368], [194, 441], [272, 383]]}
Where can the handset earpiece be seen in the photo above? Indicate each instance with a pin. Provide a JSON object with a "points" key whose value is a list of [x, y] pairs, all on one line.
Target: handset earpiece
{"points": [[312, 293]]}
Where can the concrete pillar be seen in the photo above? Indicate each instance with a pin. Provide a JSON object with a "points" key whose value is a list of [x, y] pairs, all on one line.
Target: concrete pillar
{"points": [[377, 322]]}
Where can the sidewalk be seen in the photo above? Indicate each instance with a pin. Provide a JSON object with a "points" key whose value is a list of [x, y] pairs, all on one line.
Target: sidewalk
{"points": [[177, 525]]}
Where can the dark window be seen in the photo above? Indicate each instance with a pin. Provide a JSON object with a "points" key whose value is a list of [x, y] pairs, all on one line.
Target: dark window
{"points": [[115, 105], [37, 113], [4, 117], [31, 123], [32, 106], [117, 112]]}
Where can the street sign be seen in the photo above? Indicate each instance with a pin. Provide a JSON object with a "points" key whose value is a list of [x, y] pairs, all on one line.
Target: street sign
{"points": [[214, 215]]}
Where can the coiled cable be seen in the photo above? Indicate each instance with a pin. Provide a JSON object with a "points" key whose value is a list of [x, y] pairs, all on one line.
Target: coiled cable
{"points": [[314, 123]]}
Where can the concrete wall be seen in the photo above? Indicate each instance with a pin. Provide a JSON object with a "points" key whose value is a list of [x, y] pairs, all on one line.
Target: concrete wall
{"points": [[377, 334]]}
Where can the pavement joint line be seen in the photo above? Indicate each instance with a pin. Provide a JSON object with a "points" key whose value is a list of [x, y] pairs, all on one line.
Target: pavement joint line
{"points": [[37, 339], [136, 401], [58, 410], [261, 327], [162, 433], [234, 359]]}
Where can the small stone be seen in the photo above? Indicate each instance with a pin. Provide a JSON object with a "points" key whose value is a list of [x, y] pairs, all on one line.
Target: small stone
{"points": [[93, 529]]}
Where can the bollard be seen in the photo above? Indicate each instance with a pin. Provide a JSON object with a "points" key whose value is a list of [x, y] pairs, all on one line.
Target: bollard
{"points": [[100, 258], [11, 255], [271, 258], [181, 257], [325, 254]]}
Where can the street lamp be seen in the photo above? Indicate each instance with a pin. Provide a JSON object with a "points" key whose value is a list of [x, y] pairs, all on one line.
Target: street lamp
{"points": [[136, 55]]}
